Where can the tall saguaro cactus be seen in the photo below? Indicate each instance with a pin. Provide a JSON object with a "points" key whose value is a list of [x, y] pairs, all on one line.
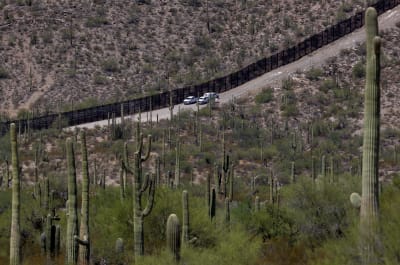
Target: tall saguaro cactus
{"points": [[140, 185], [369, 213], [83, 240], [370, 181], [15, 237], [72, 219]]}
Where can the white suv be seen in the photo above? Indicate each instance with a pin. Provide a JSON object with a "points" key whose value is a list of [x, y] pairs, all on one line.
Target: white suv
{"points": [[211, 95]]}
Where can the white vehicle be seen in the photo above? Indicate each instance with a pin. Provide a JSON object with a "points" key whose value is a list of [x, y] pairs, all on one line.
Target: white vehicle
{"points": [[203, 100], [190, 100], [211, 95]]}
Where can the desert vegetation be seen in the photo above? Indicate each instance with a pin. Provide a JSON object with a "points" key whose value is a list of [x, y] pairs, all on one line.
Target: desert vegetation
{"points": [[303, 172]]}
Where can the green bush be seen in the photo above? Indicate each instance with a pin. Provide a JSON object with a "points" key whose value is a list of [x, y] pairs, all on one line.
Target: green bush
{"points": [[314, 74], [265, 96], [3, 73], [358, 70], [110, 65], [93, 22], [327, 85]]}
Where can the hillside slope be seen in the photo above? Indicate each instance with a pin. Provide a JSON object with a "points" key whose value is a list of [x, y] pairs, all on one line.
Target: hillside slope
{"points": [[58, 54]]}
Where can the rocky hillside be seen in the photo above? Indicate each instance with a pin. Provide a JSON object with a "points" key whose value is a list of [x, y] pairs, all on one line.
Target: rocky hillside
{"points": [[58, 54]]}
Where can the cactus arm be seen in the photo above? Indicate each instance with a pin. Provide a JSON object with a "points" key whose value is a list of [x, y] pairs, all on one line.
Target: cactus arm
{"points": [[84, 242], [147, 154], [139, 144], [150, 199], [121, 180], [145, 183]]}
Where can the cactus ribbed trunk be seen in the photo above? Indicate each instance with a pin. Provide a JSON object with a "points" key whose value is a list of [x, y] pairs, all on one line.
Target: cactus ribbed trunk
{"points": [[15, 237], [370, 178], [57, 240], [208, 189], [177, 164], [293, 172], [185, 213], [173, 236], [72, 219], [211, 208], [231, 183], [227, 212], [257, 204], [84, 242]]}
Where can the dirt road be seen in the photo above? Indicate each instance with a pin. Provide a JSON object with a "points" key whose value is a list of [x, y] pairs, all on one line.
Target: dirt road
{"points": [[315, 59]]}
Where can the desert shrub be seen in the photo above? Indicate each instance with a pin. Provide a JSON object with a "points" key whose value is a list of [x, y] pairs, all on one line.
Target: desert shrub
{"points": [[203, 41], [47, 37], [321, 213], [314, 74], [110, 65], [98, 79], [97, 21], [358, 70], [265, 96], [287, 84], [3, 73], [328, 85]]}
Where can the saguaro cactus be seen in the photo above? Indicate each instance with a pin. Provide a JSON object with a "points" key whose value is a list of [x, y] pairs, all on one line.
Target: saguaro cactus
{"points": [[208, 189], [50, 236], [140, 185], [227, 211], [231, 183], [213, 201], [57, 240], [173, 236], [83, 240], [257, 204], [370, 179], [185, 211], [323, 168], [225, 166], [15, 237], [177, 163], [72, 219], [293, 172]]}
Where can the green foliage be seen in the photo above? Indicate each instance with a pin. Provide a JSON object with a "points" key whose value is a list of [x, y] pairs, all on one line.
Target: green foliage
{"points": [[265, 96], [228, 250], [96, 21], [314, 74], [358, 70], [3, 73], [319, 214], [328, 85], [110, 65]]}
